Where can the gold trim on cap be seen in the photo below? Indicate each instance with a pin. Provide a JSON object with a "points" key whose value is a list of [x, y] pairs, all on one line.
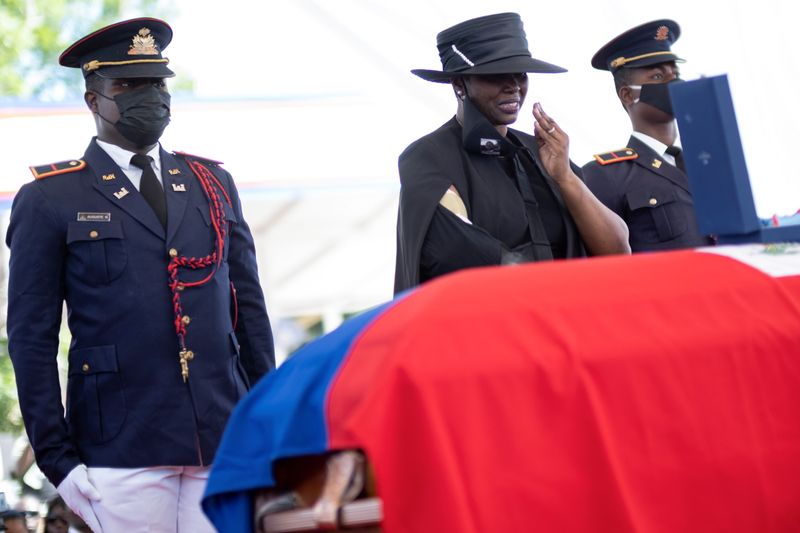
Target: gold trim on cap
{"points": [[618, 62], [95, 64]]}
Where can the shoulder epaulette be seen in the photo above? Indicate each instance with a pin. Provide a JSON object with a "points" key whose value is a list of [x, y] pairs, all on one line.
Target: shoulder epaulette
{"points": [[54, 169], [198, 157], [615, 156]]}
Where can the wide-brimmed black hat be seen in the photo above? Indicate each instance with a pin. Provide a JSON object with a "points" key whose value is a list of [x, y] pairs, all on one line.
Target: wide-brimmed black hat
{"points": [[128, 49], [494, 44], [644, 45]]}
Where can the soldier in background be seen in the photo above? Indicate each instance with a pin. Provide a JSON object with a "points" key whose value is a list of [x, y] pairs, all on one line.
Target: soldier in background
{"points": [[645, 182]]}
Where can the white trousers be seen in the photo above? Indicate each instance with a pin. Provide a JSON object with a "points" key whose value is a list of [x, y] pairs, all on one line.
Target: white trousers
{"points": [[162, 499]]}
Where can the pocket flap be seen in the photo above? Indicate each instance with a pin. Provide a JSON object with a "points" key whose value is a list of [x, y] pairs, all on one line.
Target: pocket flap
{"points": [[230, 216], [227, 213], [94, 360], [650, 198], [93, 231], [204, 213]]}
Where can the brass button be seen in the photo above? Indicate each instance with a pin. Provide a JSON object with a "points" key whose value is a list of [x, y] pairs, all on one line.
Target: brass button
{"points": [[85, 367], [179, 287], [173, 252], [653, 201], [93, 234], [186, 319]]}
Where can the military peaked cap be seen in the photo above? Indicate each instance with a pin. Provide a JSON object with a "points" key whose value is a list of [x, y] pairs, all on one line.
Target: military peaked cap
{"points": [[128, 49], [644, 45]]}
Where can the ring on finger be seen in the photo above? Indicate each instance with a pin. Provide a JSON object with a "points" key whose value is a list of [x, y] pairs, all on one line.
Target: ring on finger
{"points": [[551, 130]]}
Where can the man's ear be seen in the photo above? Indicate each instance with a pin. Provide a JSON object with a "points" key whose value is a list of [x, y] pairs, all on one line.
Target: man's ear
{"points": [[91, 101], [626, 96]]}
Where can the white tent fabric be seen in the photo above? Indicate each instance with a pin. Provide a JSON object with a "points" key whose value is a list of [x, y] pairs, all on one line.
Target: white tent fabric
{"points": [[309, 103]]}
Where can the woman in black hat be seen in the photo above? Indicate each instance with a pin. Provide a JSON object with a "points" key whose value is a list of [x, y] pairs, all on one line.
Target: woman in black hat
{"points": [[476, 192]]}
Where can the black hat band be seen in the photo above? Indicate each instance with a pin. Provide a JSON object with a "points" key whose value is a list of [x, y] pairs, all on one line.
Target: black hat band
{"points": [[621, 61], [95, 64]]}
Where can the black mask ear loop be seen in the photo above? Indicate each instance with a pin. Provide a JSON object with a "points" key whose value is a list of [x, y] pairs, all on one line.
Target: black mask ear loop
{"points": [[98, 110], [98, 93]]}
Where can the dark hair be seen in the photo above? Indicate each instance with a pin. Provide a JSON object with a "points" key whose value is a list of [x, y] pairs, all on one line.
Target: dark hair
{"points": [[94, 82], [622, 77]]}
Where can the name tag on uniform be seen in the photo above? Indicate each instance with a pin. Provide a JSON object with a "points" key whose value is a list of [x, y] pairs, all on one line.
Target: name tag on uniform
{"points": [[94, 217]]}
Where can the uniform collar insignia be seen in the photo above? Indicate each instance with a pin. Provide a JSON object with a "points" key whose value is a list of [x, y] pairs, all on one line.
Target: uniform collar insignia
{"points": [[179, 187], [174, 171], [109, 177], [656, 163], [121, 193]]}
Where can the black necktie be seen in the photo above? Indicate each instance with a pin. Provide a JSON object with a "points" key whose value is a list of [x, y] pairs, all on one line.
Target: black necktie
{"points": [[677, 153], [150, 187]]}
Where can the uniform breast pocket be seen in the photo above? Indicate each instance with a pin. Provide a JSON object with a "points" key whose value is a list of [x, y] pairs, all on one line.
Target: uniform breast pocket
{"points": [[656, 215], [229, 218], [95, 397], [97, 251]]}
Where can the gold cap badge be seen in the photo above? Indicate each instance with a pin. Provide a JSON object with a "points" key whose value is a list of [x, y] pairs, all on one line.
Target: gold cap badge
{"points": [[143, 44], [662, 33]]}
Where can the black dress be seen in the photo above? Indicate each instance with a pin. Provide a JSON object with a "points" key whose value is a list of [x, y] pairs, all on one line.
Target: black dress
{"points": [[508, 225]]}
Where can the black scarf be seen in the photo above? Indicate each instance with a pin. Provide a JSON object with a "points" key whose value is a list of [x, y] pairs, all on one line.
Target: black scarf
{"points": [[480, 137]]}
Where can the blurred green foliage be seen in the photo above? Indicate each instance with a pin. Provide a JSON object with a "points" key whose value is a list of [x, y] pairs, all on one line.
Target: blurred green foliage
{"points": [[34, 32]]}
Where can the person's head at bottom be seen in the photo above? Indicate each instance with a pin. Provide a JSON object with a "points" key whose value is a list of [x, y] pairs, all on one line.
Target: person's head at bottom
{"points": [[56, 524], [60, 518], [14, 522]]}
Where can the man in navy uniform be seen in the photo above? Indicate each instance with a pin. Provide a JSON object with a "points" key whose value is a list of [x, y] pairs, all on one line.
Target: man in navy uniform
{"points": [[157, 267], [645, 182]]}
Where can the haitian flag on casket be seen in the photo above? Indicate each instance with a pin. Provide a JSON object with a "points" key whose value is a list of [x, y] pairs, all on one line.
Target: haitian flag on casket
{"points": [[654, 393]]}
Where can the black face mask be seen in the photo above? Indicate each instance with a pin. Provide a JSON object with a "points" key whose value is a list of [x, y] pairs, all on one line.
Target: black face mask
{"points": [[143, 115], [656, 95], [479, 136]]}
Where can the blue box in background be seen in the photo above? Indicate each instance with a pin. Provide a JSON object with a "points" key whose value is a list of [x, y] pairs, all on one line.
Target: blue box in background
{"points": [[714, 159]]}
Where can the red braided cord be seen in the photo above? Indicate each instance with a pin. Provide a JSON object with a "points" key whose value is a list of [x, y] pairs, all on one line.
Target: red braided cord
{"points": [[227, 198], [215, 207], [207, 182]]}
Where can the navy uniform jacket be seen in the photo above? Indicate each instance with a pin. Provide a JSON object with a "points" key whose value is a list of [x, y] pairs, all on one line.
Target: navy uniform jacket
{"points": [[650, 195], [76, 237]]}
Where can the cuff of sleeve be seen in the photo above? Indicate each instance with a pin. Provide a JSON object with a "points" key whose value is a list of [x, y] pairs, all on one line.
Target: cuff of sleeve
{"points": [[59, 470]]}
